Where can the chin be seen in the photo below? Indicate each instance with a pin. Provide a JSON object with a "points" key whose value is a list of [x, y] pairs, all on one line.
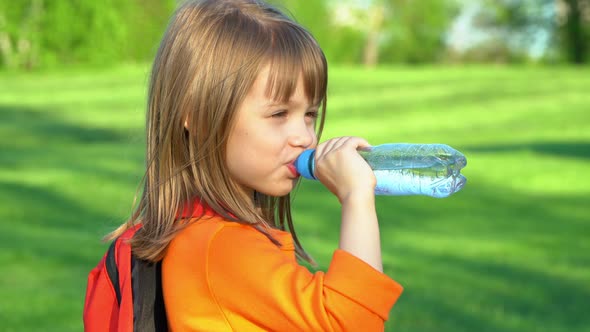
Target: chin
{"points": [[279, 191]]}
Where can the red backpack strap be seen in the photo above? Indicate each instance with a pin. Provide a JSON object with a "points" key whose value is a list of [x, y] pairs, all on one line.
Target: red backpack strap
{"points": [[124, 293], [108, 305], [101, 310]]}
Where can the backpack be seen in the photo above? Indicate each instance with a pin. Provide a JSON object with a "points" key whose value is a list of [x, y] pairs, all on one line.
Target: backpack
{"points": [[124, 293]]}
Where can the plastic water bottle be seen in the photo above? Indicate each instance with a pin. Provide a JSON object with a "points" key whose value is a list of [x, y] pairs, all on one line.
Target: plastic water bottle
{"points": [[406, 169]]}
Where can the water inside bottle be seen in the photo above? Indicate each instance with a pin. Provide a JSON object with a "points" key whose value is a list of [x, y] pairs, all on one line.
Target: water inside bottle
{"points": [[408, 182], [417, 169]]}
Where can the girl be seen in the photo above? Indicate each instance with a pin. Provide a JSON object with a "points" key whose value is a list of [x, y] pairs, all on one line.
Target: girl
{"points": [[236, 93]]}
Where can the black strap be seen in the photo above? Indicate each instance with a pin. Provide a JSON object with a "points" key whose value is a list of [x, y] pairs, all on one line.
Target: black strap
{"points": [[113, 271], [149, 313]]}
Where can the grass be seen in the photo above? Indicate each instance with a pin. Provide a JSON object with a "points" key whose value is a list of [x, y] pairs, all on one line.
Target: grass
{"points": [[508, 253]]}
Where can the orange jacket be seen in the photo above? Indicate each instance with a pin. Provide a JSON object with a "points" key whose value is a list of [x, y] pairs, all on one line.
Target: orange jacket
{"points": [[224, 276]]}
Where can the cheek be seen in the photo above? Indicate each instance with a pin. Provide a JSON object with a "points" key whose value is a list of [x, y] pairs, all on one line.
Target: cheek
{"points": [[245, 149], [314, 136], [234, 154]]}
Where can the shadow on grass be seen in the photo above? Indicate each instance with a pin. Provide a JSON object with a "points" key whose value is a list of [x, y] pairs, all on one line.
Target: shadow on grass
{"points": [[43, 225], [40, 140], [56, 183], [578, 149], [400, 97], [49, 244], [44, 160], [46, 123], [462, 294], [486, 259]]}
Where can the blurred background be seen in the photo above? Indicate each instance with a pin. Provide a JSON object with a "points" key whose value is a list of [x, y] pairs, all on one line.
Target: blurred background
{"points": [[36, 34], [506, 82]]}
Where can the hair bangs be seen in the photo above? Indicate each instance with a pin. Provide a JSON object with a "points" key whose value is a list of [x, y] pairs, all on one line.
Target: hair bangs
{"points": [[295, 53]]}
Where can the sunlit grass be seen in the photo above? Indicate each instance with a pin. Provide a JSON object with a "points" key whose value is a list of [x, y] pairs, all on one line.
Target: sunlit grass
{"points": [[508, 253]]}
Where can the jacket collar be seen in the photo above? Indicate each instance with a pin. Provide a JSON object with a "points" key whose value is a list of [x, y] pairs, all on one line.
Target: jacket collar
{"points": [[196, 208]]}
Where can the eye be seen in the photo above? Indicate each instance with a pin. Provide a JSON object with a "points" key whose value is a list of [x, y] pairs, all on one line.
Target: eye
{"points": [[312, 114], [279, 114]]}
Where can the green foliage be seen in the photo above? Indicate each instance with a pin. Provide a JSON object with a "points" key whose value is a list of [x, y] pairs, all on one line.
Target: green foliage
{"points": [[47, 33], [83, 32], [415, 30], [95, 36], [313, 15], [20, 33], [516, 23], [340, 44], [345, 45], [574, 36]]}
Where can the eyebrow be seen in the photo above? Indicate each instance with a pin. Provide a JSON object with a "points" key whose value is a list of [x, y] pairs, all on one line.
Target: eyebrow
{"points": [[289, 102]]}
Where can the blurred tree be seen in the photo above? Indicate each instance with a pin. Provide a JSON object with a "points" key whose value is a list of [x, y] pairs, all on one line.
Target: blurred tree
{"points": [[39, 33], [375, 26], [146, 22], [416, 30], [407, 31], [311, 14], [509, 28], [346, 45], [349, 30], [342, 43], [79, 31], [575, 32], [20, 33], [387, 31], [517, 22]]}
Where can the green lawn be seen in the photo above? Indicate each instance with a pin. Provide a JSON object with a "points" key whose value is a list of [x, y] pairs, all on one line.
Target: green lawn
{"points": [[509, 253]]}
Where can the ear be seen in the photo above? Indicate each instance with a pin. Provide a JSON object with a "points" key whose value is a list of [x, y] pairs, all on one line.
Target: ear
{"points": [[186, 126]]}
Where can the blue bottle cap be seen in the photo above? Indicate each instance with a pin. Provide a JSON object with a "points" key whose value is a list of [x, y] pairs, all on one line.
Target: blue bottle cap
{"points": [[305, 164]]}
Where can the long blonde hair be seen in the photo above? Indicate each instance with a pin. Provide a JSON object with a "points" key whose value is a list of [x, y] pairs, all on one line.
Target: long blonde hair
{"points": [[207, 62]]}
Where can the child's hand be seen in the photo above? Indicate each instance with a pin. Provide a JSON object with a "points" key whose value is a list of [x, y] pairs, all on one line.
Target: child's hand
{"points": [[342, 170]]}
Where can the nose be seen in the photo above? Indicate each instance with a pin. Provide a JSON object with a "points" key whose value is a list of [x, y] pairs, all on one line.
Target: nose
{"points": [[303, 135]]}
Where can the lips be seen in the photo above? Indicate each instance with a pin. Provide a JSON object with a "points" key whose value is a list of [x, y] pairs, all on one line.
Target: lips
{"points": [[292, 169]]}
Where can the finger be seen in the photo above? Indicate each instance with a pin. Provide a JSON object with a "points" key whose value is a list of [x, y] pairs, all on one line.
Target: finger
{"points": [[358, 142], [326, 147], [350, 142], [341, 142]]}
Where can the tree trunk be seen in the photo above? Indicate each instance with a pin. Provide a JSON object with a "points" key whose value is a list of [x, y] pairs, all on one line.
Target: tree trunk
{"points": [[28, 40], [575, 40], [371, 51], [6, 50]]}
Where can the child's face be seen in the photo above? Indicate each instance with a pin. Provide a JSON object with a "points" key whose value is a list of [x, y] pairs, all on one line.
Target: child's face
{"points": [[267, 137]]}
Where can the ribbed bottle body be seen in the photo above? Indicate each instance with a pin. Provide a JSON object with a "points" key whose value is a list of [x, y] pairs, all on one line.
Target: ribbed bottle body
{"points": [[407, 169]]}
